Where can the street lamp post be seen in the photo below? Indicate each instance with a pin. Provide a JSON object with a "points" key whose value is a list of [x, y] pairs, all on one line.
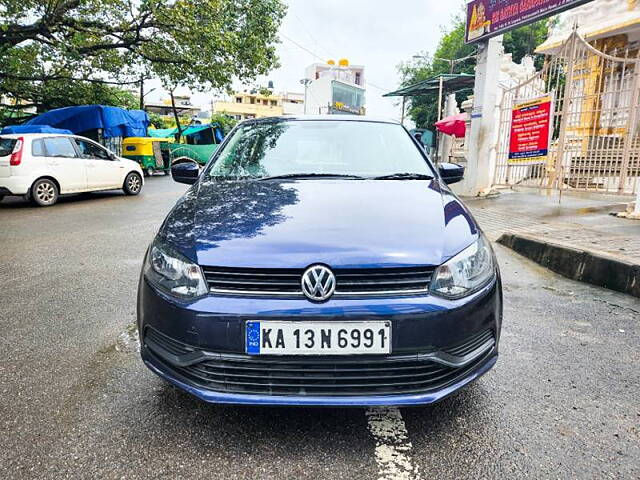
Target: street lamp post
{"points": [[305, 82]]}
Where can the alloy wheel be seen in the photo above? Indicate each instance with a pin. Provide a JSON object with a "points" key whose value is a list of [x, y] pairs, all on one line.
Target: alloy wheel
{"points": [[133, 183], [45, 192]]}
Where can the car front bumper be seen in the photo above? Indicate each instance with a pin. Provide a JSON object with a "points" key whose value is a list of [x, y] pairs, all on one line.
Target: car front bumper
{"points": [[205, 337]]}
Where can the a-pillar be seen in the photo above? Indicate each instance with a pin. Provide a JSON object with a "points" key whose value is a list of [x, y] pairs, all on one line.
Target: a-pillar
{"points": [[484, 127]]}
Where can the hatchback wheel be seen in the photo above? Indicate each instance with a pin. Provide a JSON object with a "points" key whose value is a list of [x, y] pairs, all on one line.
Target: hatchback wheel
{"points": [[44, 192], [132, 184]]}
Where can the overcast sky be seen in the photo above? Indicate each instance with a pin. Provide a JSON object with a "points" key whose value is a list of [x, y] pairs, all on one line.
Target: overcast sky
{"points": [[378, 34]]}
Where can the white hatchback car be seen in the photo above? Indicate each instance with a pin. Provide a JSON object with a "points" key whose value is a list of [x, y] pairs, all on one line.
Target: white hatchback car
{"points": [[43, 166]]}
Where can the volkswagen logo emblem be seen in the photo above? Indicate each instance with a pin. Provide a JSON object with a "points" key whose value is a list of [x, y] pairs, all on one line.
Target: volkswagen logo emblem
{"points": [[318, 283]]}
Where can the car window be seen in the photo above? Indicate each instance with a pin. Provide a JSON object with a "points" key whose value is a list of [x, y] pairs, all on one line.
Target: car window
{"points": [[59, 147], [319, 147], [37, 148], [6, 146], [91, 150]]}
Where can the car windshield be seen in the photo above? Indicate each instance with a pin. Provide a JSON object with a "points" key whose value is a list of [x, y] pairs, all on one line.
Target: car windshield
{"points": [[308, 148]]}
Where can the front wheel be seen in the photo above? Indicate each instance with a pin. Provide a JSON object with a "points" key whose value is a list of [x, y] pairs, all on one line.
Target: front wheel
{"points": [[44, 192], [132, 184], [148, 172]]}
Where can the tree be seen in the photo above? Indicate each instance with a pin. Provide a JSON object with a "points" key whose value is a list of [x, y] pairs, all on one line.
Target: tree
{"points": [[202, 44], [158, 121], [524, 40], [58, 93], [423, 110], [226, 122]]}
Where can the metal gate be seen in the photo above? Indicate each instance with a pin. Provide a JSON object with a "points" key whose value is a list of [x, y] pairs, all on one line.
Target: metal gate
{"points": [[595, 136]]}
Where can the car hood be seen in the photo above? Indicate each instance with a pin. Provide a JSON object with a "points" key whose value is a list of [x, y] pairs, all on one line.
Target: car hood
{"points": [[341, 223]]}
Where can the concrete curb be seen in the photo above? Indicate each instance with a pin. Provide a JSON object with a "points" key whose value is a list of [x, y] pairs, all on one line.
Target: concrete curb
{"points": [[581, 265]]}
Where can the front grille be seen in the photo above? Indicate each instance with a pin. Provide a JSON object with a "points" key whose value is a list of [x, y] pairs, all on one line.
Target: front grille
{"points": [[349, 281], [471, 344], [317, 376]]}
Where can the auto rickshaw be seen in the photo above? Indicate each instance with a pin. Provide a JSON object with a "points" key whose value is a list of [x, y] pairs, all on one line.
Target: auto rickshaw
{"points": [[148, 153], [197, 143]]}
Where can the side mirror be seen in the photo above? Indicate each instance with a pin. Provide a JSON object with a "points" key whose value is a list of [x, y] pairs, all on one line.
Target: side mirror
{"points": [[187, 172], [451, 172]]}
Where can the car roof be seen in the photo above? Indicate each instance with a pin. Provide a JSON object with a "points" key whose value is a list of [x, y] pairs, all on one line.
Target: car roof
{"points": [[327, 118]]}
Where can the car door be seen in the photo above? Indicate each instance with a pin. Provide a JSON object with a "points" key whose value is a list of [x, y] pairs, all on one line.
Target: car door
{"points": [[103, 169], [62, 162]]}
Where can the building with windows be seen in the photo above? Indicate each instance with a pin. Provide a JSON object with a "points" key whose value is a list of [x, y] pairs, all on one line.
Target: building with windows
{"points": [[244, 105], [184, 107], [292, 103], [335, 88]]}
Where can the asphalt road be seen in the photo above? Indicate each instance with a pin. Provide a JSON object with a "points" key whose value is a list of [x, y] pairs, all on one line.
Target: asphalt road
{"points": [[76, 401]]}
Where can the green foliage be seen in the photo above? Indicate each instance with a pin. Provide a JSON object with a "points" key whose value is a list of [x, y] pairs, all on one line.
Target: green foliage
{"points": [[423, 109], [158, 121], [226, 122], [201, 44], [524, 40]]}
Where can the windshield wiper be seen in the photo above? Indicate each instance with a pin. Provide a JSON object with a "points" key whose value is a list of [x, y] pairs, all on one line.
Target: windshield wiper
{"points": [[306, 175], [403, 176]]}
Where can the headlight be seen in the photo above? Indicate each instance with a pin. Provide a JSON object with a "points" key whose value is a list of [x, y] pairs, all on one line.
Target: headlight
{"points": [[467, 272], [169, 270]]}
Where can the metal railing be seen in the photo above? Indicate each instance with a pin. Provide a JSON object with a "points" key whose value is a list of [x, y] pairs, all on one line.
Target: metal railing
{"points": [[595, 136]]}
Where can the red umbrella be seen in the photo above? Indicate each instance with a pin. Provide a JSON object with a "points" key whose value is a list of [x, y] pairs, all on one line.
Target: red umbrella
{"points": [[453, 125]]}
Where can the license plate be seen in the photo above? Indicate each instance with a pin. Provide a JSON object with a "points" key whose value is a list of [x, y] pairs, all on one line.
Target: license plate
{"points": [[317, 338]]}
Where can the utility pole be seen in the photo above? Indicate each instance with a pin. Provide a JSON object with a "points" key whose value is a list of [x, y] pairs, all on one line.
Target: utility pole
{"points": [[141, 92], [305, 82]]}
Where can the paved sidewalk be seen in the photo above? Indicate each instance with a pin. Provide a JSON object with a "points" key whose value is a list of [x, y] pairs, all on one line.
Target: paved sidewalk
{"points": [[580, 222], [577, 237]]}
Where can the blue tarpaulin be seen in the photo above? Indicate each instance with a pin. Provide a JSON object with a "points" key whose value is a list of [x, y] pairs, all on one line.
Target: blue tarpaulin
{"points": [[114, 121], [33, 129]]}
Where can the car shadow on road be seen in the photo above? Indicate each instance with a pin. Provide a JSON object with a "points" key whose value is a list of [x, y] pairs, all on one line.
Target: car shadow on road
{"points": [[287, 426]]}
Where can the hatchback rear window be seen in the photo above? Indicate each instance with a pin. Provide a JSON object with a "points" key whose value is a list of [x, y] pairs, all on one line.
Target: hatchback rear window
{"points": [[6, 146]]}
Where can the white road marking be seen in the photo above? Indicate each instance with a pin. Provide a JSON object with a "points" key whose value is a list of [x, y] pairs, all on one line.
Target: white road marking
{"points": [[393, 448], [129, 341]]}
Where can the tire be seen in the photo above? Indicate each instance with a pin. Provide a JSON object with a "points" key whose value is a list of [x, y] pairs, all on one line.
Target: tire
{"points": [[132, 184], [148, 172], [44, 192]]}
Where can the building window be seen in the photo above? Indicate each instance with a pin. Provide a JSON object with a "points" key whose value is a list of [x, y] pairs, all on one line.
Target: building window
{"points": [[348, 95], [274, 103], [357, 78], [252, 100], [265, 102], [238, 99]]}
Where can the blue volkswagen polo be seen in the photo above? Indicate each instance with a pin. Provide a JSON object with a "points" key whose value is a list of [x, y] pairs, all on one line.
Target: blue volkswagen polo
{"points": [[319, 261]]}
